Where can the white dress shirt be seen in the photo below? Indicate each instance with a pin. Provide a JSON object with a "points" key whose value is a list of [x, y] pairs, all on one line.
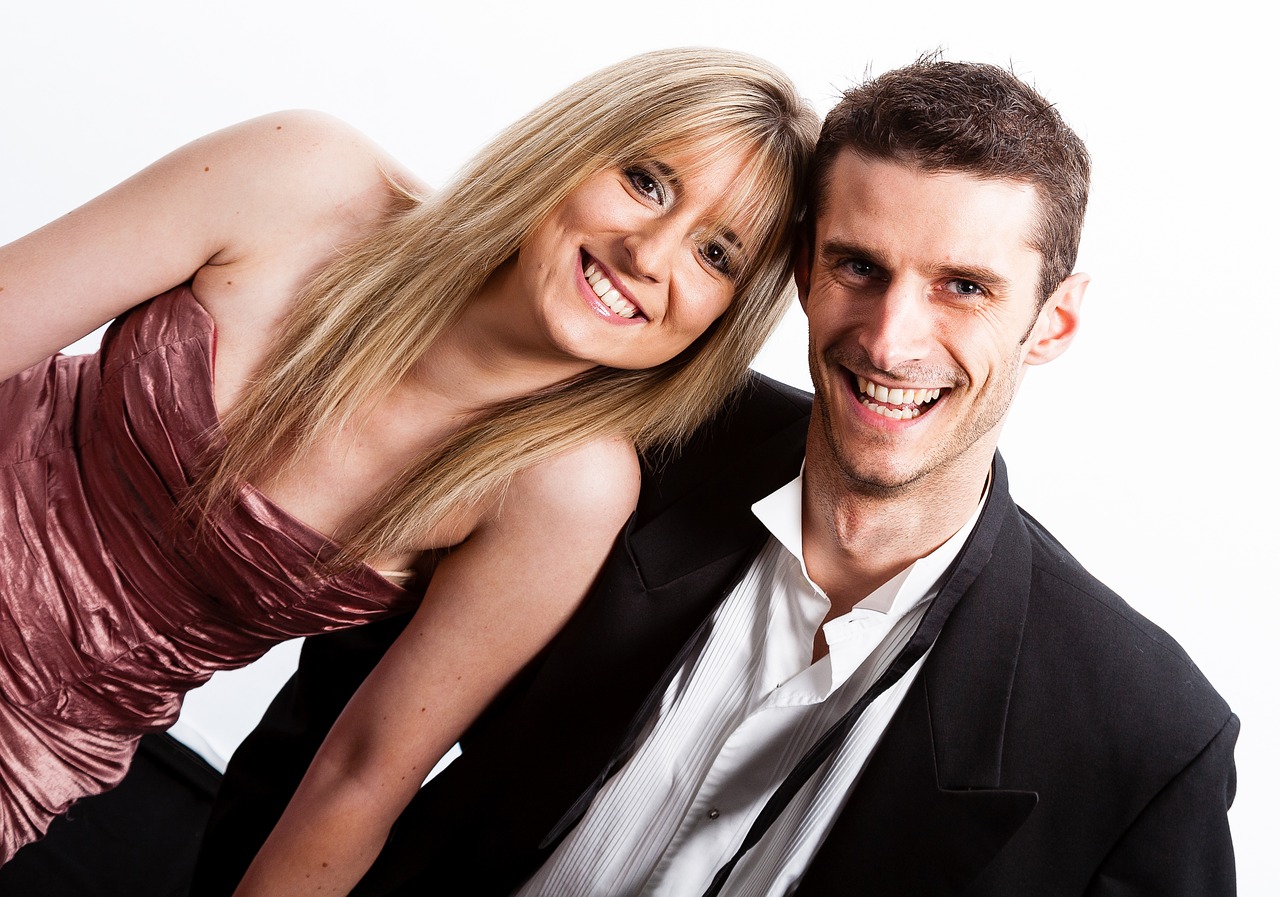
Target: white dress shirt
{"points": [[733, 723]]}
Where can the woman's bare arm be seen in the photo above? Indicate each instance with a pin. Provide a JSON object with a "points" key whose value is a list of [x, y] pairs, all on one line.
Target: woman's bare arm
{"points": [[493, 603]]}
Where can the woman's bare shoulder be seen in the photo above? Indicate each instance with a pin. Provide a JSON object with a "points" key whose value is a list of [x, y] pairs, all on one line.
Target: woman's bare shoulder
{"points": [[267, 200], [298, 168], [594, 484], [299, 146], [289, 190]]}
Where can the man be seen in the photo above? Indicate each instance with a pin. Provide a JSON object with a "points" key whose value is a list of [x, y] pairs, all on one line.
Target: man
{"points": [[874, 675]]}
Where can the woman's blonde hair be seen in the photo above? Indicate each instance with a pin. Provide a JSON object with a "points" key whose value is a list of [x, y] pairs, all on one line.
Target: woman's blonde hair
{"points": [[360, 325]]}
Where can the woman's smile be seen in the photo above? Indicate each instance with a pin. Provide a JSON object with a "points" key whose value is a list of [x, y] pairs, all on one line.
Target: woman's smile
{"points": [[614, 303]]}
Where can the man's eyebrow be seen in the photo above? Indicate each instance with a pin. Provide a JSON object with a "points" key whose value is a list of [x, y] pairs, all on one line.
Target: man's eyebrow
{"points": [[979, 274], [843, 249]]}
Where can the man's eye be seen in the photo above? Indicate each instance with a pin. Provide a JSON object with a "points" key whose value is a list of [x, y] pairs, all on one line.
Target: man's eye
{"points": [[965, 288], [860, 268], [645, 183]]}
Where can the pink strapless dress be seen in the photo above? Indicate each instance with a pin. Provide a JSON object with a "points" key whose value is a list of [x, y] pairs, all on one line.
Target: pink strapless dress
{"points": [[110, 607]]}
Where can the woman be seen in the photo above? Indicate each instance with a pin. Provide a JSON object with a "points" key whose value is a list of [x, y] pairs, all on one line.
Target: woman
{"points": [[338, 377]]}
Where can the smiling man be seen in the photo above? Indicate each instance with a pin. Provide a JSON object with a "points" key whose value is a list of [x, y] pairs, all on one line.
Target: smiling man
{"points": [[831, 655], [922, 284]]}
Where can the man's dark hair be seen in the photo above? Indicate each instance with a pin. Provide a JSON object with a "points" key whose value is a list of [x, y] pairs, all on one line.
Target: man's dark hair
{"points": [[974, 119]]}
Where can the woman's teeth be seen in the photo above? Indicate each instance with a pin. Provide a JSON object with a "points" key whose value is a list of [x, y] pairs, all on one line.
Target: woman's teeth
{"points": [[909, 403], [607, 294]]}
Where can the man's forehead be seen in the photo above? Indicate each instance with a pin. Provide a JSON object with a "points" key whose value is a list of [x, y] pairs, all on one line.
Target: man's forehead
{"points": [[868, 200], [855, 171]]}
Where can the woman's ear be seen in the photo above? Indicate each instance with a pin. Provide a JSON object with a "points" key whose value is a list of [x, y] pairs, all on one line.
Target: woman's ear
{"points": [[1058, 321]]}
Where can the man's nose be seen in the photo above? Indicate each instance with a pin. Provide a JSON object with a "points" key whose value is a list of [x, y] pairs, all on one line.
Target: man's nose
{"points": [[898, 326]]}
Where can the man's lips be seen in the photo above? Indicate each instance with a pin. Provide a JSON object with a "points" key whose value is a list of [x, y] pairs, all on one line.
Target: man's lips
{"points": [[895, 402]]}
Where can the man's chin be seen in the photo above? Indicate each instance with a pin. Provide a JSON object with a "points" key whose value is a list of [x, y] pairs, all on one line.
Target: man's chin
{"points": [[878, 483], [861, 473]]}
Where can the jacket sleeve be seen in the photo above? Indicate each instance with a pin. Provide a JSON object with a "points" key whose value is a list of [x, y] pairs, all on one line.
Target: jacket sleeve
{"points": [[266, 768], [1180, 844]]}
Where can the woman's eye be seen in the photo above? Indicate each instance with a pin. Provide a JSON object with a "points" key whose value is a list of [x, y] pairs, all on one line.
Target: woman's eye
{"points": [[717, 256], [644, 182]]}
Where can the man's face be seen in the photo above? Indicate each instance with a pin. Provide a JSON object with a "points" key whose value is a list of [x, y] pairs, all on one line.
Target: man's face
{"points": [[920, 290]]}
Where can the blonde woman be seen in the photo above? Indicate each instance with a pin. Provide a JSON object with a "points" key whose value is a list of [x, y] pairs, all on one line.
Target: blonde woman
{"points": [[347, 393]]}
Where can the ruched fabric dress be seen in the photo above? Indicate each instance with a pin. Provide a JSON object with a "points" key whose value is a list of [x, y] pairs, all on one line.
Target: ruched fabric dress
{"points": [[111, 607]]}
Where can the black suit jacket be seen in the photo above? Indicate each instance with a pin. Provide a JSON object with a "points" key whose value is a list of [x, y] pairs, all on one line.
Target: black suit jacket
{"points": [[1055, 743]]}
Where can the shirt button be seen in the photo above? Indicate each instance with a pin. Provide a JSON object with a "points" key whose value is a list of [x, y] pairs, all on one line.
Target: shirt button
{"points": [[713, 813]]}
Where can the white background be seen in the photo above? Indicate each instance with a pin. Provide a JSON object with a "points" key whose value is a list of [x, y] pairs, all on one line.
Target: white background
{"points": [[1147, 449]]}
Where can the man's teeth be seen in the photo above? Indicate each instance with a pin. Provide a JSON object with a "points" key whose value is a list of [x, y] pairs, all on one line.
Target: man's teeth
{"points": [[911, 402], [608, 295]]}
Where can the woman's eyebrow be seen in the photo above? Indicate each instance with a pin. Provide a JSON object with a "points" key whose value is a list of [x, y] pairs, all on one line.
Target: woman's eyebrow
{"points": [[668, 173]]}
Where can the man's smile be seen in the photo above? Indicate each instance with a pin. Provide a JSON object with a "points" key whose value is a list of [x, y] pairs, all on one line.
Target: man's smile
{"points": [[895, 402]]}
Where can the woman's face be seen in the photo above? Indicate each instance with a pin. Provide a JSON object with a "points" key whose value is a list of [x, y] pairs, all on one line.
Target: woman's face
{"points": [[631, 267]]}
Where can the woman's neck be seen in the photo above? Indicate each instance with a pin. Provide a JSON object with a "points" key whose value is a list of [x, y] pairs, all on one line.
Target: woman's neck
{"points": [[488, 355]]}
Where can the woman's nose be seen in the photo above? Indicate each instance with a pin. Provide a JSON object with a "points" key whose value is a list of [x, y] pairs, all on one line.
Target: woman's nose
{"points": [[651, 250]]}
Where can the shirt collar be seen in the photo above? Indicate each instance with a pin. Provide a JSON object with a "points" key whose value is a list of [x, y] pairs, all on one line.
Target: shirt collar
{"points": [[781, 512]]}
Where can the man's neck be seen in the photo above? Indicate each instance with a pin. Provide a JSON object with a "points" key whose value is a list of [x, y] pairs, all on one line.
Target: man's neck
{"points": [[856, 540]]}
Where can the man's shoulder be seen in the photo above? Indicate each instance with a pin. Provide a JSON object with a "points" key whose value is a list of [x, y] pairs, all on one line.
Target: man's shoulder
{"points": [[760, 388], [758, 409], [1117, 655], [762, 418], [1061, 580], [755, 441]]}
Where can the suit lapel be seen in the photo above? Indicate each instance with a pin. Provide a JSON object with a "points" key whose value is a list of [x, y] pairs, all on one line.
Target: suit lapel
{"points": [[970, 675], [928, 813]]}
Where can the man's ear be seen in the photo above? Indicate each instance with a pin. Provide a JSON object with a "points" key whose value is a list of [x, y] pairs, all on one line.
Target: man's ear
{"points": [[1058, 321], [802, 266]]}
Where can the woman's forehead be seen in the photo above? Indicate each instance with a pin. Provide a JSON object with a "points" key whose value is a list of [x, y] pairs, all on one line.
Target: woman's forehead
{"points": [[740, 187]]}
